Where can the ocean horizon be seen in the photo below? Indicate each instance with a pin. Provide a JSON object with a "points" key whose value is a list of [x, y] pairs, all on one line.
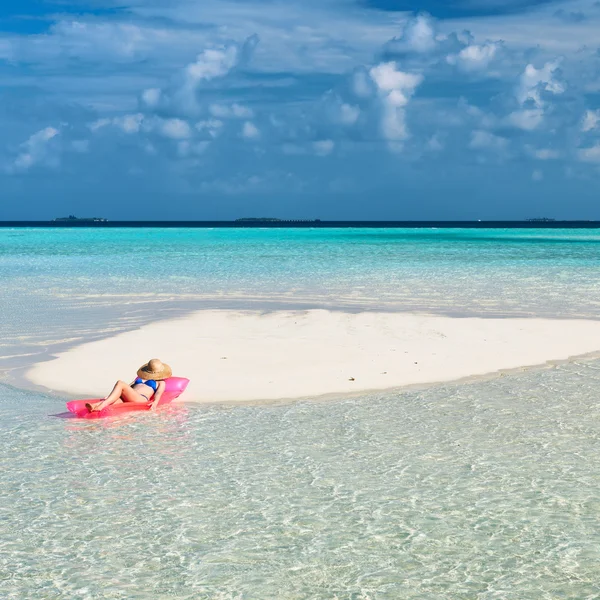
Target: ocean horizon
{"points": [[268, 223]]}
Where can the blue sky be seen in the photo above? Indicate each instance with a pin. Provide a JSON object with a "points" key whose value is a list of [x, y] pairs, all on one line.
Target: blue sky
{"points": [[331, 109]]}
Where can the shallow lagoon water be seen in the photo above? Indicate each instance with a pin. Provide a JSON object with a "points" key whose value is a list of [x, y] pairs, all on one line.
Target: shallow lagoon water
{"points": [[510, 270], [485, 490], [479, 491], [71, 285]]}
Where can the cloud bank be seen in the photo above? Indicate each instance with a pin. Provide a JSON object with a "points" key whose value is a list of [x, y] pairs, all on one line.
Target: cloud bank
{"points": [[267, 109]]}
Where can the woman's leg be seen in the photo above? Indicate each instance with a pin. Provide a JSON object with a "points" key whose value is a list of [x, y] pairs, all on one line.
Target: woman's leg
{"points": [[121, 391]]}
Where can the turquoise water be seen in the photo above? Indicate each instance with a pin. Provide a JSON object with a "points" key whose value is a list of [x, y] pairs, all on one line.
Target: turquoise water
{"points": [[430, 269], [481, 491], [72, 284]]}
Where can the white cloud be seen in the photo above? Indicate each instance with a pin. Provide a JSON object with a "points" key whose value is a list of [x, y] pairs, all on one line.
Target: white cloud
{"points": [[151, 97], [212, 63], [484, 140], [590, 120], [250, 131], [474, 57], [42, 136], [297, 36], [88, 40], [435, 144], [35, 150], [212, 126], [546, 154], [235, 111], [185, 148], [176, 129], [590, 155], [533, 81], [128, 123], [418, 36], [537, 175], [323, 147], [527, 120], [362, 86], [376, 102], [349, 114], [482, 119], [395, 89], [99, 124], [389, 79]]}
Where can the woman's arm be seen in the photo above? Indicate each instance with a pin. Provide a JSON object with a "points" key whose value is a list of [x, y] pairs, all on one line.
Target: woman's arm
{"points": [[159, 392]]}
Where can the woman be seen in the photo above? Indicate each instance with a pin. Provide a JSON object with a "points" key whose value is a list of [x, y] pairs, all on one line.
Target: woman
{"points": [[148, 386]]}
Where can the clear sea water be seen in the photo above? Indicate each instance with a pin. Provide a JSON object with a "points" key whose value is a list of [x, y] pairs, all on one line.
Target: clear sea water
{"points": [[486, 490], [73, 284]]}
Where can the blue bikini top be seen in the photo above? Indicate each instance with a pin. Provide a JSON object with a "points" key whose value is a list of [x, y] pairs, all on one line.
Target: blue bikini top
{"points": [[149, 382]]}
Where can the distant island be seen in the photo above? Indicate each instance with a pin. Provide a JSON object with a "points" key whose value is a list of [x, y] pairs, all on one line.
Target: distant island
{"points": [[71, 218], [541, 220], [274, 220]]}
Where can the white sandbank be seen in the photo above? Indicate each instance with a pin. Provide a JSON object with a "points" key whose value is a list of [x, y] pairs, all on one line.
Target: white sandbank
{"points": [[248, 355]]}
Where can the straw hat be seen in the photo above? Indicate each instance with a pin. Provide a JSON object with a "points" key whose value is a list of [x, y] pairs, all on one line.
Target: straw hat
{"points": [[155, 369]]}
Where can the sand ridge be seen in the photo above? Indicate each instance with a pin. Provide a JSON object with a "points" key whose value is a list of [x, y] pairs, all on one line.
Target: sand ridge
{"points": [[233, 355]]}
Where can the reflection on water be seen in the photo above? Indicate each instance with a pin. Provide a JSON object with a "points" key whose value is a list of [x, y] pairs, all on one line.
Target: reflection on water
{"points": [[487, 490]]}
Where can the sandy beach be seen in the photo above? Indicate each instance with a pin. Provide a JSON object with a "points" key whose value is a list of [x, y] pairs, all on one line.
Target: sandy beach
{"points": [[237, 356]]}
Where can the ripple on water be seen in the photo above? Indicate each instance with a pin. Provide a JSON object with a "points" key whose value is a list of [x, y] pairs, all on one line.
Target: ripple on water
{"points": [[487, 490]]}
